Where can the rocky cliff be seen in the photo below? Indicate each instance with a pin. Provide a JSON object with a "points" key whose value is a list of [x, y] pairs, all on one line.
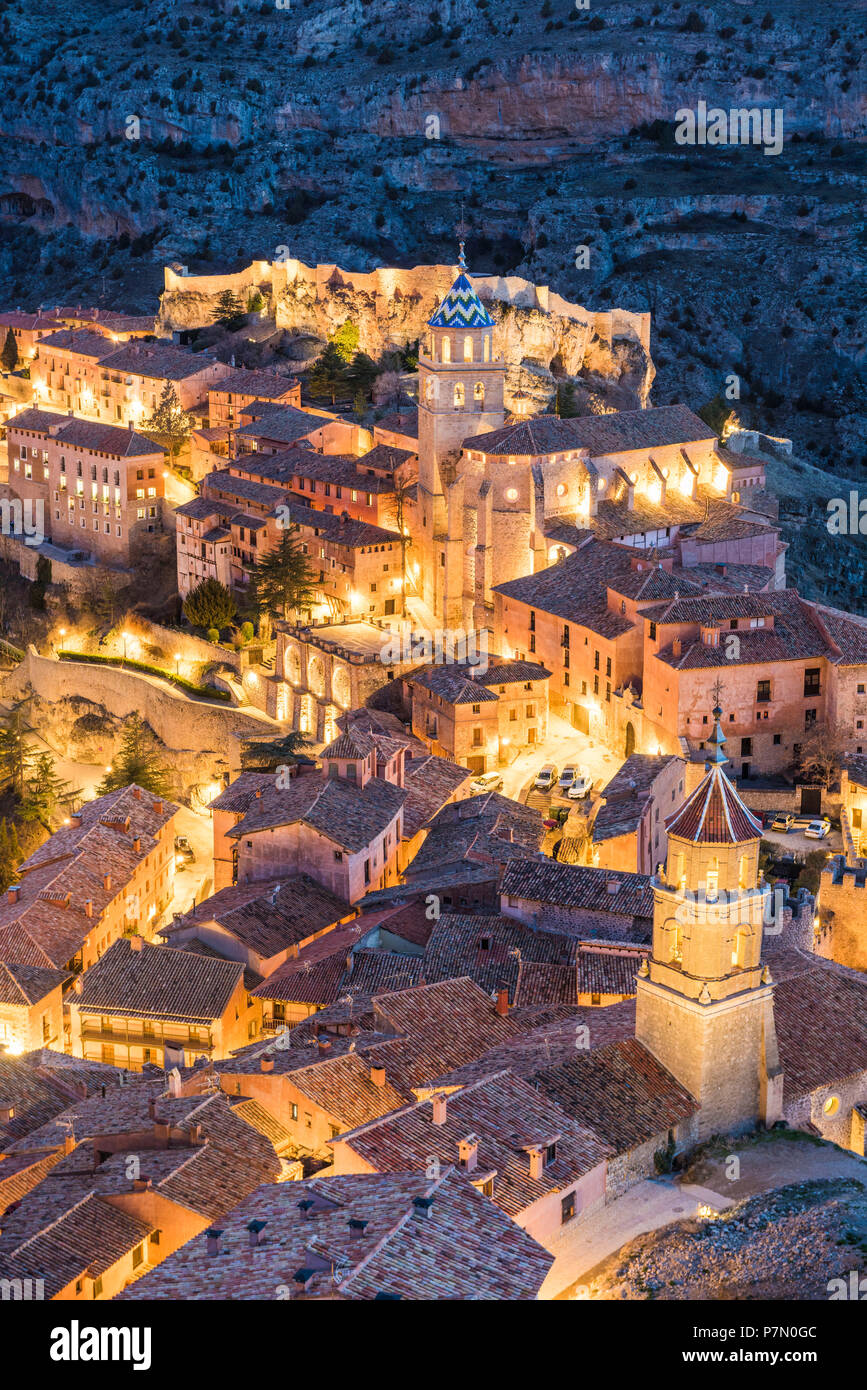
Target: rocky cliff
{"points": [[211, 132]]}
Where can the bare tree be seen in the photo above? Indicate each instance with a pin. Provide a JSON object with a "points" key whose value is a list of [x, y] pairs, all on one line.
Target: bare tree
{"points": [[403, 483], [822, 752]]}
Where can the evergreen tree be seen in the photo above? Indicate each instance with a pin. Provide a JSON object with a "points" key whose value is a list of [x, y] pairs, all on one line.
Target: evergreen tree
{"points": [[345, 340], [282, 581], [10, 856], [9, 355], [210, 605], [169, 422], [43, 791], [361, 373], [268, 755], [15, 751], [565, 404], [138, 761], [229, 311], [328, 373]]}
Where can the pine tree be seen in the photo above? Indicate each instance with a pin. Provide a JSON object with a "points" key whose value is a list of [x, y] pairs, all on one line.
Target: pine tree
{"points": [[43, 790], [210, 605], [169, 422], [9, 355], [282, 581], [328, 373], [229, 311], [138, 761], [345, 340], [267, 756]]}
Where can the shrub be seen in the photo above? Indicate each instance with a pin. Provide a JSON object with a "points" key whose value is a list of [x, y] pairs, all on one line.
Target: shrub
{"points": [[213, 635], [210, 692]]}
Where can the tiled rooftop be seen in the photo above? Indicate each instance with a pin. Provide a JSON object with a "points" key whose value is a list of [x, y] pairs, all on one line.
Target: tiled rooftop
{"points": [[157, 982]]}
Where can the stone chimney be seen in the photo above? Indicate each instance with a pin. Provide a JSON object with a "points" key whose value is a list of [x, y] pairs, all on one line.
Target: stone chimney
{"points": [[324, 1047], [214, 1241], [14, 893], [141, 1184], [468, 1152], [158, 808], [136, 844], [677, 647], [106, 882], [422, 1207], [136, 943], [537, 1163], [439, 1108], [88, 907], [377, 1075], [266, 1064], [75, 819], [136, 791], [255, 1230], [502, 1004]]}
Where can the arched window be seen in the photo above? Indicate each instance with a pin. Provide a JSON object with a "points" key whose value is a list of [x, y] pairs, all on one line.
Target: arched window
{"points": [[459, 395], [430, 389], [479, 394], [487, 353], [468, 348], [447, 349]]}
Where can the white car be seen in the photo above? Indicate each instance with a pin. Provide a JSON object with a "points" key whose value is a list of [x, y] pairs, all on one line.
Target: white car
{"points": [[486, 782], [817, 830], [582, 785]]}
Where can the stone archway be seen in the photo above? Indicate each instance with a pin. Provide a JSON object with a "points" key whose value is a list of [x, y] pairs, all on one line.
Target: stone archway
{"points": [[629, 743]]}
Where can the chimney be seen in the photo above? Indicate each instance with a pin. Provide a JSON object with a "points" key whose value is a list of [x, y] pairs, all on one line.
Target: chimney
{"points": [[158, 808], [214, 1242], [356, 1228], [537, 1163], [88, 907], [152, 1107], [136, 844], [439, 1108], [141, 1184], [75, 819], [502, 1005], [266, 1064], [422, 1207], [136, 791], [377, 1075], [613, 885], [324, 1047], [258, 792], [136, 943], [14, 893], [255, 1229], [677, 647], [68, 1144], [106, 882], [468, 1152]]}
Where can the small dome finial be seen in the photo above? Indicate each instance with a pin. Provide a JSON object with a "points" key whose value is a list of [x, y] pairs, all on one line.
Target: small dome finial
{"points": [[462, 261]]}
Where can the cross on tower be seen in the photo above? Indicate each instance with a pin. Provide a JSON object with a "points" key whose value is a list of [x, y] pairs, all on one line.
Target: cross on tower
{"points": [[716, 691]]}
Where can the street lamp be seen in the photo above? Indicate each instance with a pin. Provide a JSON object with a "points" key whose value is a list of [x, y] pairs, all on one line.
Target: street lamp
{"points": [[125, 636], [177, 663]]}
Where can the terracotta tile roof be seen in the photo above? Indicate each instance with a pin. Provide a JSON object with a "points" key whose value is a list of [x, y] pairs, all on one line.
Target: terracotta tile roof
{"points": [[24, 985], [79, 340], [34, 1097], [620, 1090], [408, 921], [714, 814], [349, 815], [48, 923], [821, 1020], [157, 982], [90, 1237], [341, 469], [490, 949], [576, 886], [402, 421], [464, 684], [546, 1044], [464, 1248], [16, 319], [483, 829], [267, 917], [282, 423], [342, 1087], [385, 456], [430, 782], [157, 361], [240, 794], [107, 439], [241, 382], [626, 796], [613, 433], [314, 976], [374, 971], [507, 1116]]}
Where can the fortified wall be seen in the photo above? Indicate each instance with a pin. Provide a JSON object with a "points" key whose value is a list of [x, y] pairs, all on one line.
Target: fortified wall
{"points": [[391, 307]]}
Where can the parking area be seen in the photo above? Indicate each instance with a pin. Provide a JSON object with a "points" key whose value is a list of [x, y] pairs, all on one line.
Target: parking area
{"points": [[795, 842]]}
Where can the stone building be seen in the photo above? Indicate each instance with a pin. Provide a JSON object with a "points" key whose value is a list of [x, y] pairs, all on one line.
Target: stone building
{"points": [[629, 819], [27, 330], [101, 487], [118, 384], [479, 717], [705, 1003], [31, 1007], [320, 672], [228, 397]]}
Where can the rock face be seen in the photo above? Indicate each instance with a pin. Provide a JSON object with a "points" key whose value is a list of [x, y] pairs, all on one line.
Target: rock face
{"points": [[362, 134]]}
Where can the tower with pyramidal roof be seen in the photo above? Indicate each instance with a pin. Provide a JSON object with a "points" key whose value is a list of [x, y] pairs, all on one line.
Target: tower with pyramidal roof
{"points": [[704, 999], [461, 383]]}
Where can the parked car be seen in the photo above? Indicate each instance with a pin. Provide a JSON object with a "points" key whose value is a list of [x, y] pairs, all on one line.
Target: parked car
{"points": [[582, 785], [184, 850], [486, 782], [783, 822], [545, 778], [817, 830], [566, 778]]}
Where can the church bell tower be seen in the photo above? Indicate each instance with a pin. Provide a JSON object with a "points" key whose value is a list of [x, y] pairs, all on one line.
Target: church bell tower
{"points": [[704, 999], [461, 382]]}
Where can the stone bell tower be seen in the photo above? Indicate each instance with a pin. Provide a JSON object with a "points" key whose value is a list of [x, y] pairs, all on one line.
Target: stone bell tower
{"points": [[704, 1000], [461, 380]]}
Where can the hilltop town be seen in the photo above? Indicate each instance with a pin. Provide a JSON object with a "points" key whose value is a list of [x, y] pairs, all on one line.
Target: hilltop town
{"points": [[429, 807]]}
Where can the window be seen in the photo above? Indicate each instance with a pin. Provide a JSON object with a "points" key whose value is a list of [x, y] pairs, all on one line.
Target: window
{"points": [[138, 1256], [367, 870], [608, 666], [746, 747], [809, 718], [338, 856], [595, 661], [550, 1154], [595, 685], [653, 632], [477, 737], [763, 692], [567, 1208], [777, 738], [477, 709], [812, 681], [97, 1286]]}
